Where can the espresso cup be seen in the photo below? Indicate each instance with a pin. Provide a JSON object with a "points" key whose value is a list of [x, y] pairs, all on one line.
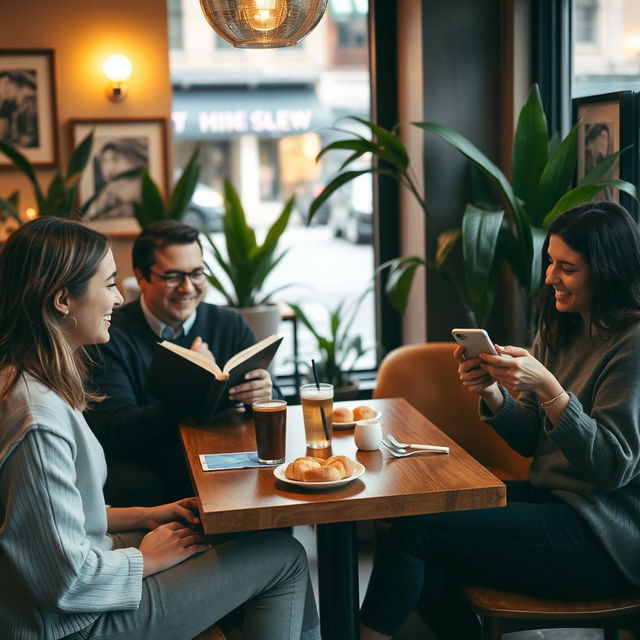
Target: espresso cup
{"points": [[270, 420], [368, 434]]}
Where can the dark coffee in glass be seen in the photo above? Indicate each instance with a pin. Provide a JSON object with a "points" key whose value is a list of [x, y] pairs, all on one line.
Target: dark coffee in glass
{"points": [[270, 419]]}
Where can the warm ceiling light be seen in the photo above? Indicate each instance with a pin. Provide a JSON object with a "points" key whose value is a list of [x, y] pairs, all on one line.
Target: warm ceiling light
{"points": [[118, 70], [263, 24]]}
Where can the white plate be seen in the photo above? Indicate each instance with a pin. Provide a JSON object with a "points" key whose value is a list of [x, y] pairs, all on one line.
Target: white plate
{"points": [[278, 472], [350, 425]]}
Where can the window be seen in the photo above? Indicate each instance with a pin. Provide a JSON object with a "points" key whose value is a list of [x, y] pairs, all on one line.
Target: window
{"points": [[606, 46], [175, 25], [585, 20], [260, 118]]}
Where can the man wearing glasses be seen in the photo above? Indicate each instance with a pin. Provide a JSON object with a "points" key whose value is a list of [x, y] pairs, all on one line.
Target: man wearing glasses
{"points": [[139, 433]]}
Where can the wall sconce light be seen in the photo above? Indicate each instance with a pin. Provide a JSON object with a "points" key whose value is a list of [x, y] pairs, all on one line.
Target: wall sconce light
{"points": [[263, 24], [118, 70]]}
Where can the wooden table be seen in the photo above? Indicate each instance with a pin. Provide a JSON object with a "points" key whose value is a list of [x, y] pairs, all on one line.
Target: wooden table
{"points": [[249, 499]]}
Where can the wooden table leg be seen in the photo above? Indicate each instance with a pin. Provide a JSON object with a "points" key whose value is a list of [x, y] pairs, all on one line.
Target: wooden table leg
{"points": [[338, 580]]}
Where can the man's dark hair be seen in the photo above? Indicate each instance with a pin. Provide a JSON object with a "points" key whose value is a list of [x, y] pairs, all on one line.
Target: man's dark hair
{"points": [[609, 240], [158, 235]]}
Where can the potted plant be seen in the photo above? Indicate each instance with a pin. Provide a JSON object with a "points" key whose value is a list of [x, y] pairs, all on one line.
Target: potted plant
{"points": [[509, 228], [152, 206], [247, 264], [338, 349]]}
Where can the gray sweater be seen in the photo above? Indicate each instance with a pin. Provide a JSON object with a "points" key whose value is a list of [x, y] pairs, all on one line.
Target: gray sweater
{"points": [[58, 570], [591, 459]]}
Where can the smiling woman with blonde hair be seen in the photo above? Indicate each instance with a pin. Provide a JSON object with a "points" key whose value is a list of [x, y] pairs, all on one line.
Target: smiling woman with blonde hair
{"points": [[70, 567]]}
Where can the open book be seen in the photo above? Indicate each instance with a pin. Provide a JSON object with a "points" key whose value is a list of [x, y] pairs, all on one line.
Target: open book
{"points": [[195, 383]]}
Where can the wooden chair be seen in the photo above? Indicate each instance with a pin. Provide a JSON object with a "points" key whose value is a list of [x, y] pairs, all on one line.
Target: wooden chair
{"points": [[426, 376], [212, 633]]}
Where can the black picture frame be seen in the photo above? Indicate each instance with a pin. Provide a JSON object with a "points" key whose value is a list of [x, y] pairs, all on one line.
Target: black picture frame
{"points": [[28, 112], [609, 122], [119, 145]]}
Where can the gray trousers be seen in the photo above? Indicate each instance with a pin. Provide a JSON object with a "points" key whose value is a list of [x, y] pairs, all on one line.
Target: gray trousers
{"points": [[267, 573]]}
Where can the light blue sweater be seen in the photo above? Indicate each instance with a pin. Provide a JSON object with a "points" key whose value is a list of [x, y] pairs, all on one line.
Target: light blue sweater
{"points": [[591, 458], [58, 571]]}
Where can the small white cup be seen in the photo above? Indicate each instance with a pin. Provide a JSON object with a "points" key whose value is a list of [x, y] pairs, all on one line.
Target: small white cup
{"points": [[368, 434]]}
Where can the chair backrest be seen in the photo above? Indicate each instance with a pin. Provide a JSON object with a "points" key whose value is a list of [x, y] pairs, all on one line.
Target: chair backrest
{"points": [[426, 375]]}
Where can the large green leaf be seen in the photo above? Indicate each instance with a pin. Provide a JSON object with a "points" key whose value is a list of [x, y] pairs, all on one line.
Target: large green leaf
{"points": [[10, 206], [389, 145], [240, 238], [80, 156], [556, 177], [398, 285], [184, 188], [55, 201], [584, 193], [151, 200], [480, 231], [297, 309], [472, 153], [334, 185], [602, 168], [529, 151]]}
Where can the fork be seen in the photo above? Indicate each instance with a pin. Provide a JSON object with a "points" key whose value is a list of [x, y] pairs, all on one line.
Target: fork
{"points": [[401, 453], [403, 446]]}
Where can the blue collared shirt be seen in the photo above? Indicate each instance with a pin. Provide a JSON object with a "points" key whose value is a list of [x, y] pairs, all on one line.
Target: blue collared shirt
{"points": [[163, 330]]}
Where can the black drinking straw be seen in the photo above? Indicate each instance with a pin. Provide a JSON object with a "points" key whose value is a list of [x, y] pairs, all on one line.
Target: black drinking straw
{"points": [[324, 418]]}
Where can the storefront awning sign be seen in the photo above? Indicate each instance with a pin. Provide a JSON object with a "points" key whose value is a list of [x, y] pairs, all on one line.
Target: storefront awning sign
{"points": [[267, 114]]}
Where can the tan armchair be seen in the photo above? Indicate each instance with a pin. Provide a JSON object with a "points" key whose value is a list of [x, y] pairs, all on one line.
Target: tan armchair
{"points": [[426, 375]]}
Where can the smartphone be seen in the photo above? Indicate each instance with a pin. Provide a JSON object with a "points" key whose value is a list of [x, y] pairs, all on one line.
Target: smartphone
{"points": [[474, 342]]}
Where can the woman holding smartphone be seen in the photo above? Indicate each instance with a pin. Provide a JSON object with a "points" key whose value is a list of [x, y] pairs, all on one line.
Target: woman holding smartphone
{"points": [[573, 530], [70, 567]]}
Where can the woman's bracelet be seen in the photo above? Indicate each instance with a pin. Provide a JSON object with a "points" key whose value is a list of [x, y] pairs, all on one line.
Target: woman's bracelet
{"points": [[548, 403]]}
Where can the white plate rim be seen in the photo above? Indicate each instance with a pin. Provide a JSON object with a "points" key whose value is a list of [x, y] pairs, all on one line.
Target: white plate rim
{"points": [[278, 472], [348, 425]]}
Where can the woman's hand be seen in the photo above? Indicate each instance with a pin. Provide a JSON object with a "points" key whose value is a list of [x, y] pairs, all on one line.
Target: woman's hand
{"points": [[521, 372], [168, 545], [473, 376], [183, 510]]}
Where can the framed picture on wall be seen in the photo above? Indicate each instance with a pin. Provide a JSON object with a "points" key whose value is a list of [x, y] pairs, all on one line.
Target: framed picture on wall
{"points": [[120, 146], [608, 123], [28, 119]]}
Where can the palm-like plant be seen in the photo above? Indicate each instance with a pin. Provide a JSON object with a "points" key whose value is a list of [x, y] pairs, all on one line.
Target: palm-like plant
{"points": [[339, 351], [248, 264], [152, 206], [513, 230], [60, 197]]}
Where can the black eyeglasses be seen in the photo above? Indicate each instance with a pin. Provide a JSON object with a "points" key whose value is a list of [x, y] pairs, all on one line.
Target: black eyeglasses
{"points": [[174, 279]]}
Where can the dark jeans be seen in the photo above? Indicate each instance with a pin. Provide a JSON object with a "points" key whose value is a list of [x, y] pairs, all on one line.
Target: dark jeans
{"points": [[537, 545]]}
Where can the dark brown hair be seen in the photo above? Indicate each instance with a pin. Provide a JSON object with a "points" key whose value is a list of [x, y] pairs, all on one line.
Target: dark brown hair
{"points": [[606, 236]]}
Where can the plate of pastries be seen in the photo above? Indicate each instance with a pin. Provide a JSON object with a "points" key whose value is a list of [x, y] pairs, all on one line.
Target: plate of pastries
{"points": [[319, 473], [345, 418]]}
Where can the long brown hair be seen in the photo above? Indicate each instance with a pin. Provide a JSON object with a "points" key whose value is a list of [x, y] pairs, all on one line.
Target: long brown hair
{"points": [[38, 260], [608, 239]]}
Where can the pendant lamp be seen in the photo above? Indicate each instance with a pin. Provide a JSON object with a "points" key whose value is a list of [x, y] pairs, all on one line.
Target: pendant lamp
{"points": [[263, 24]]}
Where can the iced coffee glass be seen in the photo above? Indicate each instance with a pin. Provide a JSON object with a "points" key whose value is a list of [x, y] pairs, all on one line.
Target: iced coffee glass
{"points": [[270, 419], [317, 411]]}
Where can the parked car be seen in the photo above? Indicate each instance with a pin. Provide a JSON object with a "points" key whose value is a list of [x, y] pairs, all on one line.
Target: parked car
{"points": [[206, 209], [354, 220]]}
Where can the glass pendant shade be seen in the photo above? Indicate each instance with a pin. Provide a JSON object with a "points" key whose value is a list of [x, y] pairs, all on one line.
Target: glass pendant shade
{"points": [[263, 24]]}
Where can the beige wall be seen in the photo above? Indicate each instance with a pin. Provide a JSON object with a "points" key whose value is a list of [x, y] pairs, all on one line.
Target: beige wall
{"points": [[410, 109], [82, 34]]}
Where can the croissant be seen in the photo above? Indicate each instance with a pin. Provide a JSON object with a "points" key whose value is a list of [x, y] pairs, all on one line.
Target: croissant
{"points": [[327, 473], [297, 469], [363, 413], [342, 414], [343, 464], [310, 469]]}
